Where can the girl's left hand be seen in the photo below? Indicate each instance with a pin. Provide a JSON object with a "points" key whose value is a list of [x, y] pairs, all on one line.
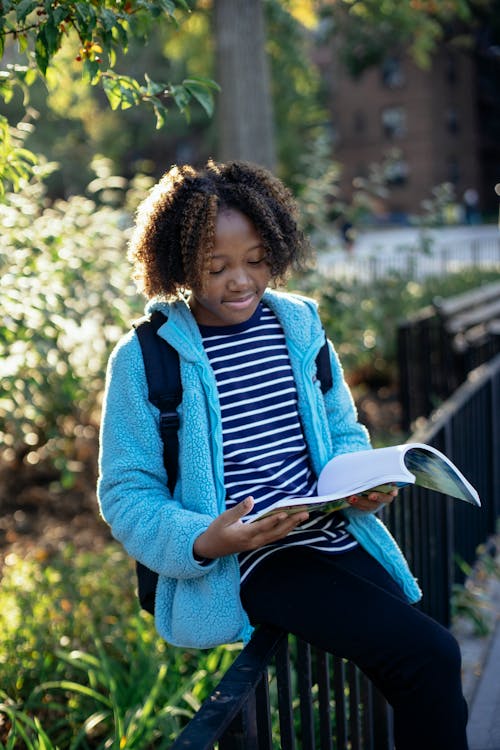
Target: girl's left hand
{"points": [[373, 501]]}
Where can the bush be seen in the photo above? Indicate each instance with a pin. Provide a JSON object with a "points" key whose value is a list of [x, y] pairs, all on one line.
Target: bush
{"points": [[66, 298], [361, 317], [82, 666]]}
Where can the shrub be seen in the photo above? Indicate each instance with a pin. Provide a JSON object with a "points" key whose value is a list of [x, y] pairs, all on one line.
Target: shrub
{"points": [[82, 665], [361, 317], [66, 298]]}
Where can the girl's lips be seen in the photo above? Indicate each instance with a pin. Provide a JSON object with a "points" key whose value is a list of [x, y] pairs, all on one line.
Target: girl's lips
{"points": [[241, 303]]}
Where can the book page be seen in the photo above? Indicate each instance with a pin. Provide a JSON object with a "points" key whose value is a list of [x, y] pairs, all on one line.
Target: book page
{"points": [[434, 473], [322, 503], [297, 505]]}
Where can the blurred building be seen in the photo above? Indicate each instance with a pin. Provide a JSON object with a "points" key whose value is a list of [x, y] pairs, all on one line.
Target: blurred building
{"points": [[436, 125]]}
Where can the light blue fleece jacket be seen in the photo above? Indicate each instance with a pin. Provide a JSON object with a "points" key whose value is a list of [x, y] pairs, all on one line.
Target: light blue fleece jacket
{"points": [[199, 605]]}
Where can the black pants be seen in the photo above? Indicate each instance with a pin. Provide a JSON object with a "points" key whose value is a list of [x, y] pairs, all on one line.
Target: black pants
{"points": [[348, 605]]}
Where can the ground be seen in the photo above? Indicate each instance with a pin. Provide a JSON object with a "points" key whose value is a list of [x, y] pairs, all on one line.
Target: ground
{"points": [[39, 516]]}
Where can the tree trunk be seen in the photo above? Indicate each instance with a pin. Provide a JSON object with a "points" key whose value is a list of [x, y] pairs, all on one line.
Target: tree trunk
{"points": [[244, 108]]}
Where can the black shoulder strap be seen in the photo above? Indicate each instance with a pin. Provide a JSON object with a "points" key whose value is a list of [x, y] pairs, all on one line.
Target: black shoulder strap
{"points": [[324, 368], [161, 363]]}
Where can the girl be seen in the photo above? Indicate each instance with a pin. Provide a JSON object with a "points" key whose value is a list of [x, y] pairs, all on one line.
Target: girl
{"points": [[255, 427]]}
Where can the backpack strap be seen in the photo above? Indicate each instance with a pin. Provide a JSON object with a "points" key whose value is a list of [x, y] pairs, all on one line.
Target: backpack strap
{"points": [[324, 368], [161, 363]]}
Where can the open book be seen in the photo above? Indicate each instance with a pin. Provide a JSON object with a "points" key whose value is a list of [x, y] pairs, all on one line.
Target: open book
{"points": [[379, 469]]}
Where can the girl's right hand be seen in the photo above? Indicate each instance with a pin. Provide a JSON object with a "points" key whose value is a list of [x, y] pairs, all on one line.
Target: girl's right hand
{"points": [[228, 534]]}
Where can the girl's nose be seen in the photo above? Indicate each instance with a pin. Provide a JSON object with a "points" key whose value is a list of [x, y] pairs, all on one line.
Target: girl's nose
{"points": [[239, 278]]}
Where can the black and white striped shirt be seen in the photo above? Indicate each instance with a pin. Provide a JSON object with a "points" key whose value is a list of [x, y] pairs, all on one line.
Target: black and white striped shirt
{"points": [[265, 454]]}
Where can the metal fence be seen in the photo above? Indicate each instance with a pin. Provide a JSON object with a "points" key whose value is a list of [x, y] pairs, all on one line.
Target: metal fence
{"points": [[412, 262], [280, 692], [439, 345]]}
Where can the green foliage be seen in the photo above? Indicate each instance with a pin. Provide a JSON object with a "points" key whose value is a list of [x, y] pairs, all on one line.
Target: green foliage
{"points": [[83, 667], [66, 297], [368, 29], [318, 195], [471, 601], [299, 102], [16, 162], [96, 32], [361, 317]]}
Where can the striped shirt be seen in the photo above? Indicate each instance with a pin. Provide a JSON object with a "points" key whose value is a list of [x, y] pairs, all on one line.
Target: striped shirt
{"points": [[265, 454]]}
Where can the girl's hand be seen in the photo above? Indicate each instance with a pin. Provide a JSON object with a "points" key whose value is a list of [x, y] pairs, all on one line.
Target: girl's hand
{"points": [[228, 534], [373, 500]]}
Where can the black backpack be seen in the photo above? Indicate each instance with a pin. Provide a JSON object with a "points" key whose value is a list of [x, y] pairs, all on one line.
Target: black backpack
{"points": [[161, 363]]}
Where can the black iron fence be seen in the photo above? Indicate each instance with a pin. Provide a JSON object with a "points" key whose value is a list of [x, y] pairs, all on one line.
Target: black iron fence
{"points": [[280, 692], [438, 346], [437, 534]]}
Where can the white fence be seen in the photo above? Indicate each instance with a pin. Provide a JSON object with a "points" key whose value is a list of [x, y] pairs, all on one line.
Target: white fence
{"points": [[412, 254]]}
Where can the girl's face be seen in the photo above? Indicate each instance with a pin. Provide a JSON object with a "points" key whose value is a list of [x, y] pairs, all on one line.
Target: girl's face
{"points": [[238, 275]]}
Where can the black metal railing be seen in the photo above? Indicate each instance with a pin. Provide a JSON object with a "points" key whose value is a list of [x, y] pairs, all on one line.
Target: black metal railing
{"points": [[438, 346], [437, 534], [282, 693]]}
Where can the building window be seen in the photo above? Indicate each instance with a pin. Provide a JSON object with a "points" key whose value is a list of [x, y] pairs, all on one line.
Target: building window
{"points": [[359, 122], [451, 69], [394, 122], [453, 170], [396, 173], [392, 73], [452, 121]]}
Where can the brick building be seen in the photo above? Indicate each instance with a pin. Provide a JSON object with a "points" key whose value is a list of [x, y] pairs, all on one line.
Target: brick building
{"points": [[429, 118]]}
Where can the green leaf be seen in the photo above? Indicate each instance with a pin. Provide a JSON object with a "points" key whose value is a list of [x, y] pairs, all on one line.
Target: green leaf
{"points": [[26, 155], [52, 36], [41, 55], [24, 8], [58, 14], [163, 6], [122, 91], [22, 42], [30, 76], [108, 19], [181, 97], [154, 88], [202, 95], [112, 91], [6, 90], [207, 82], [91, 71], [120, 34], [76, 688], [161, 114], [86, 18]]}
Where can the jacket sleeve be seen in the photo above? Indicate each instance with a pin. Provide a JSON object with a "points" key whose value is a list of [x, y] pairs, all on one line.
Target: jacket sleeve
{"points": [[132, 487]]}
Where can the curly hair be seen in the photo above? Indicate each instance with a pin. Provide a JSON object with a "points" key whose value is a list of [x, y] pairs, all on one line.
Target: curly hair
{"points": [[173, 239]]}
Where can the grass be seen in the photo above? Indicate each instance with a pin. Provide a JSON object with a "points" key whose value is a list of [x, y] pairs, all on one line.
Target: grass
{"points": [[82, 667]]}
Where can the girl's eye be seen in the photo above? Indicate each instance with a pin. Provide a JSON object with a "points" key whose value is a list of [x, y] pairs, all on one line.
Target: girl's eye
{"points": [[256, 262], [215, 271]]}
